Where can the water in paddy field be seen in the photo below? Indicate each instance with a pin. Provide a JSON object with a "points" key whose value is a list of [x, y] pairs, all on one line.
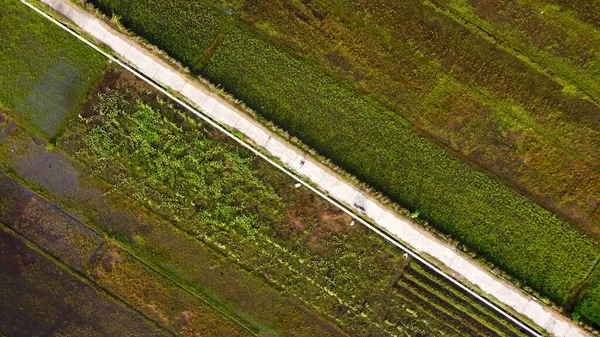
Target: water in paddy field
{"points": [[50, 103]]}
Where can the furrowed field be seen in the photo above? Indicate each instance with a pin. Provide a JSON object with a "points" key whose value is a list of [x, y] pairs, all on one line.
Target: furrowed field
{"points": [[488, 105], [44, 88], [164, 226]]}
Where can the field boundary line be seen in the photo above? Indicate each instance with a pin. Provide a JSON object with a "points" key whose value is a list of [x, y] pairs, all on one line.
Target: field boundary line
{"points": [[214, 108], [515, 51], [101, 234], [103, 292]]}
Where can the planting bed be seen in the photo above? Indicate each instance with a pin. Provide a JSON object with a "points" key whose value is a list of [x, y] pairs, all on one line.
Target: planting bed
{"points": [[148, 20]]}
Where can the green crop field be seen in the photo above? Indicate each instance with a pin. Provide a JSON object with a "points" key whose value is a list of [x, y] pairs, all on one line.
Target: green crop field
{"points": [[181, 201], [380, 150], [528, 116], [359, 81], [177, 39], [46, 72], [369, 86]]}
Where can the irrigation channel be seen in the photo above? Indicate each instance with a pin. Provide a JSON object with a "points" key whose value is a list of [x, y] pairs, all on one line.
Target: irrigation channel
{"points": [[566, 328]]}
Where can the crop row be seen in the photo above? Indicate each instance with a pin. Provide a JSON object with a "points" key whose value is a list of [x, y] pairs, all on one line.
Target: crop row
{"points": [[192, 25], [430, 284], [470, 325], [443, 317], [432, 281]]}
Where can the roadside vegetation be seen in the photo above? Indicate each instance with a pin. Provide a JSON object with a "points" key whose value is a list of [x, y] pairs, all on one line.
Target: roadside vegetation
{"points": [[39, 297], [148, 21], [379, 146]]}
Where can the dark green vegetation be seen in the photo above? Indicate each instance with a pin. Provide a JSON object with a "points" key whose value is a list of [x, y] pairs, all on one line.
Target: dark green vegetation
{"points": [[482, 102], [148, 21], [46, 73], [589, 307]]}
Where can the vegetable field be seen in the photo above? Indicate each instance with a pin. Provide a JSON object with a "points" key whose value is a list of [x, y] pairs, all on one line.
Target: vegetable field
{"points": [[46, 72], [376, 146], [222, 196], [386, 89], [187, 214]]}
